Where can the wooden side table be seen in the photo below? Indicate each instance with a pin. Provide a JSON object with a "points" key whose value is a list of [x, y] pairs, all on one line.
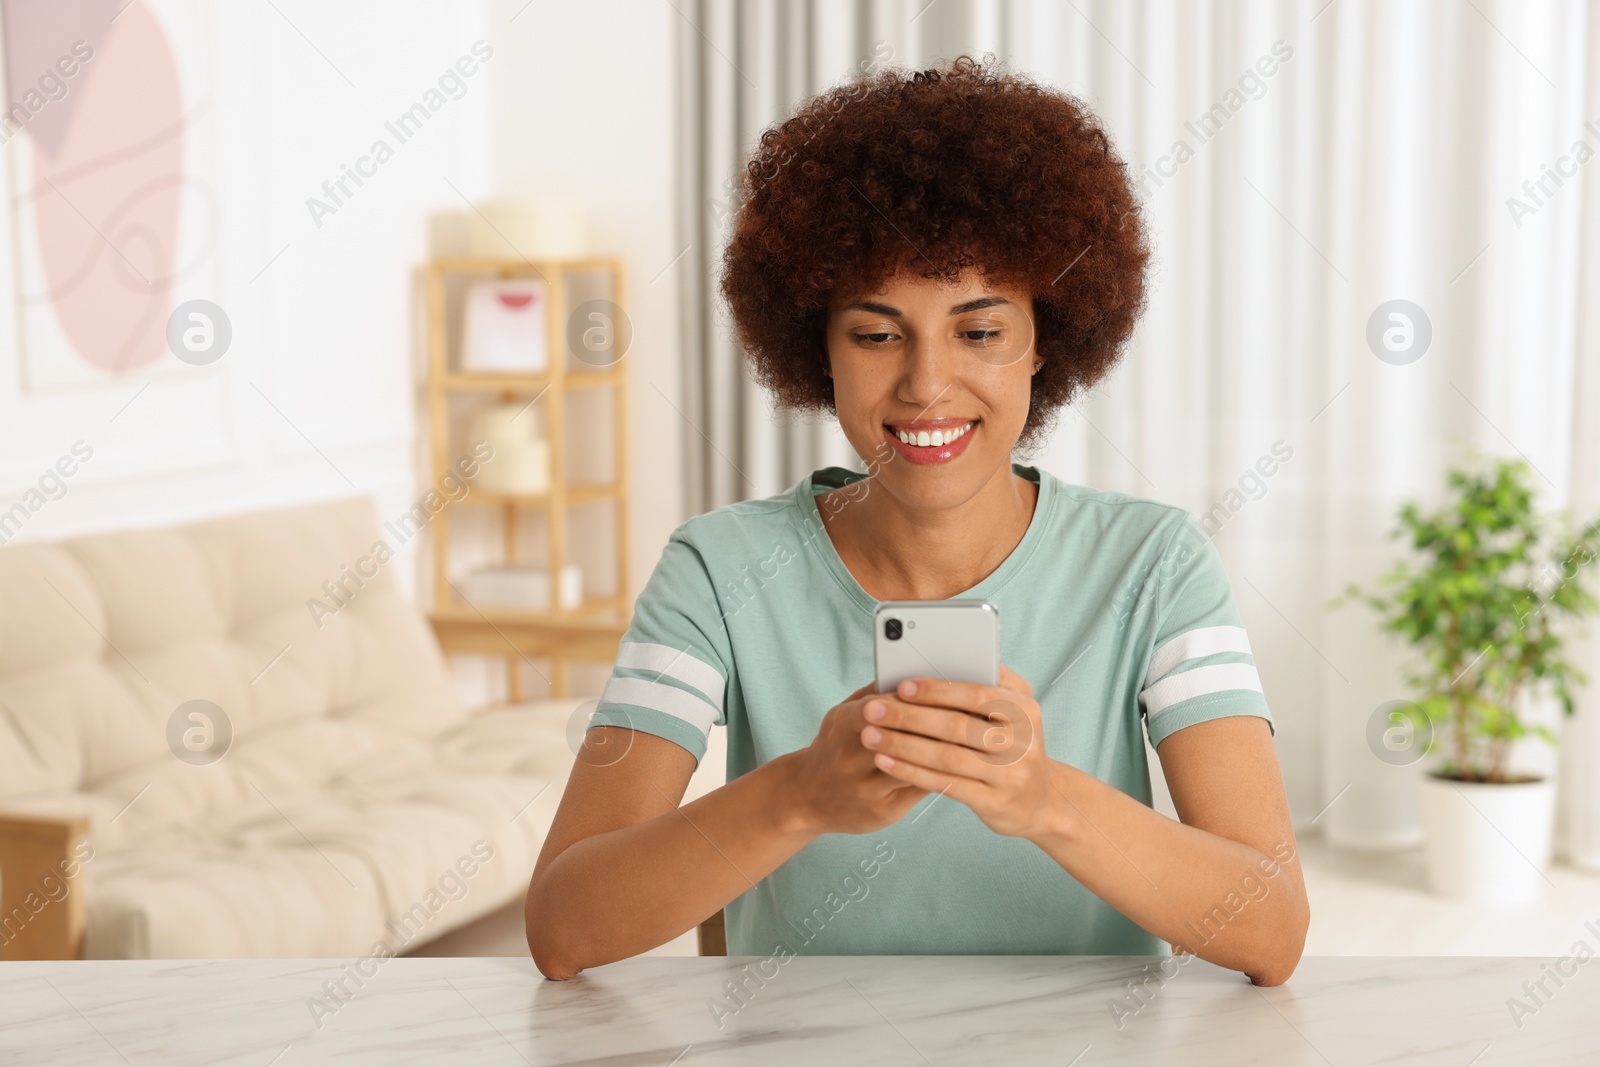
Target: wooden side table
{"points": [[518, 636]]}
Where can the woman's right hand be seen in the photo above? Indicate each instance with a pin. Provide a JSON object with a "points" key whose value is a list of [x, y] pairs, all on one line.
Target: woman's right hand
{"points": [[841, 789]]}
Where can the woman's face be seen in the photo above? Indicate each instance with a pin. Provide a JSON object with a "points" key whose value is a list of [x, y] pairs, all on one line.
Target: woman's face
{"points": [[947, 366]]}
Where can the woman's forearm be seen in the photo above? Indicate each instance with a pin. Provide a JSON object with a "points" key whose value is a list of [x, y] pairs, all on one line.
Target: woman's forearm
{"points": [[616, 894], [1221, 900]]}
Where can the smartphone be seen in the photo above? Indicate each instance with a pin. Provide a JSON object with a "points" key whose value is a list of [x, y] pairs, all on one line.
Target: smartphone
{"points": [[958, 640]]}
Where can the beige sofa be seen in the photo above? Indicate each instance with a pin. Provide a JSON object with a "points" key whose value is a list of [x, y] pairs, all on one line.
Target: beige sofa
{"points": [[357, 804]]}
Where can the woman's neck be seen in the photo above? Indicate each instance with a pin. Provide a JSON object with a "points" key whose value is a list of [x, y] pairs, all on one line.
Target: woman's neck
{"points": [[899, 553]]}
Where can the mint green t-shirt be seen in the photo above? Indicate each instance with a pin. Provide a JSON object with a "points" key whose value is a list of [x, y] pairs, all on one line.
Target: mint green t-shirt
{"points": [[1117, 611]]}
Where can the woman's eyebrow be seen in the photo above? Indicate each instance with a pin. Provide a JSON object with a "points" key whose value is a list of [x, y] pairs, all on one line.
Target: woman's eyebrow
{"points": [[974, 305], [959, 309]]}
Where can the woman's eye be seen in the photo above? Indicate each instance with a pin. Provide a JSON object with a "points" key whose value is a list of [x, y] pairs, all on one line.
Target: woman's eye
{"points": [[981, 336], [875, 338]]}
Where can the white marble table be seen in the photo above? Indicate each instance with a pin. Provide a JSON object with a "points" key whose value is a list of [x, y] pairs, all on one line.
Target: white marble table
{"points": [[814, 1010]]}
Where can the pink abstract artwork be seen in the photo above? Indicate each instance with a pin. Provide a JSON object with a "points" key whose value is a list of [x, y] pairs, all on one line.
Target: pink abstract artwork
{"points": [[93, 86]]}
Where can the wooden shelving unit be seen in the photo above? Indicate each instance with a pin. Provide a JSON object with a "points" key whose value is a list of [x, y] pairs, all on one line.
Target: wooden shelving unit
{"points": [[592, 630]]}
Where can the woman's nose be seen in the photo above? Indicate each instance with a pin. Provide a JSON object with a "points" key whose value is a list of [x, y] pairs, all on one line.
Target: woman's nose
{"points": [[926, 372]]}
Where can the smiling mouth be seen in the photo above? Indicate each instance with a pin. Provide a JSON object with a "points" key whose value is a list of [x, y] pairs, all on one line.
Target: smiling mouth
{"points": [[931, 441]]}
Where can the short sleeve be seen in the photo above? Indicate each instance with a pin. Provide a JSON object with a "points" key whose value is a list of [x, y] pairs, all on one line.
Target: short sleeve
{"points": [[1200, 665], [674, 662]]}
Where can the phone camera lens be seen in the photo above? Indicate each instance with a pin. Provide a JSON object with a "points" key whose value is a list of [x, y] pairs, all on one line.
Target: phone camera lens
{"points": [[891, 629]]}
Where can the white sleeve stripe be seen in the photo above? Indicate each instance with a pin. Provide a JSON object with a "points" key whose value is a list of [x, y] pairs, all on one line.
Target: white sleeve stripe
{"points": [[673, 663], [1217, 678], [1192, 644], [658, 696]]}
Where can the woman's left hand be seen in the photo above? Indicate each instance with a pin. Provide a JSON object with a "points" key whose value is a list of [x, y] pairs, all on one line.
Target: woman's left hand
{"points": [[982, 745]]}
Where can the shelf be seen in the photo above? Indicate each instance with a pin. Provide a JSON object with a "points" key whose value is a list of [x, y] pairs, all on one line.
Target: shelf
{"points": [[576, 494], [591, 614], [591, 640], [528, 383], [516, 267], [589, 494], [592, 630]]}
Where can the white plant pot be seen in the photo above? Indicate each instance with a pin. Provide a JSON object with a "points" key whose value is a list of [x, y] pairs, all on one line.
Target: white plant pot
{"points": [[1488, 843]]}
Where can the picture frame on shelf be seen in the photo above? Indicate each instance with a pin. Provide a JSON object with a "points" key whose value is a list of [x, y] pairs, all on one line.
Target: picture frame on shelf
{"points": [[505, 327]]}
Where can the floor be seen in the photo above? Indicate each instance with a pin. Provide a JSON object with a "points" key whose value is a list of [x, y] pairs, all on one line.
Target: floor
{"points": [[1362, 904], [1378, 904]]}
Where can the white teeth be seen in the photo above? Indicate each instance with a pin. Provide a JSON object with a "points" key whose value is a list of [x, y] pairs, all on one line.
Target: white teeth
{"points": [[933, 439]]}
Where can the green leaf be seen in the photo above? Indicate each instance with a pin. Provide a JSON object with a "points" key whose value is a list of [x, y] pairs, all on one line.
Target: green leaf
{"points": [[1482, 598]]}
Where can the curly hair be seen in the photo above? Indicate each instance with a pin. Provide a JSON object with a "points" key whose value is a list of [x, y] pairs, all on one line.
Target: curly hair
{"points": [[937, 171]]}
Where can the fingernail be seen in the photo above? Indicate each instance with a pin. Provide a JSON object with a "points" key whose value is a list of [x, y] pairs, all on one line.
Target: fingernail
{"points": [[908, 688], [876, 711], [872, 735], [884, 761]]}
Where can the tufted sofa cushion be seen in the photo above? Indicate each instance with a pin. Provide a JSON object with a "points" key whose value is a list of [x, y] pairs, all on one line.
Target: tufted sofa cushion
{"points": [[357, 793]]}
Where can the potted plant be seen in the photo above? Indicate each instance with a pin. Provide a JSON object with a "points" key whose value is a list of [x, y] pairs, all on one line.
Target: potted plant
{"points": [[1484, 608]]}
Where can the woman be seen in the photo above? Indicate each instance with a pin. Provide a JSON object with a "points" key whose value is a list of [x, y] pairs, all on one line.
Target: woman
{"points": [[941, 260]]}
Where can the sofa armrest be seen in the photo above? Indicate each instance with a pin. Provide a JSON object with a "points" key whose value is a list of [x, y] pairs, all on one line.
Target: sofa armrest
{"points": [[41, 898]]}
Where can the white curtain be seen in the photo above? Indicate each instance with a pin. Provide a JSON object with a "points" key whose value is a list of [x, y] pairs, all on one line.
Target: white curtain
{"points": [[1375, 162]]}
